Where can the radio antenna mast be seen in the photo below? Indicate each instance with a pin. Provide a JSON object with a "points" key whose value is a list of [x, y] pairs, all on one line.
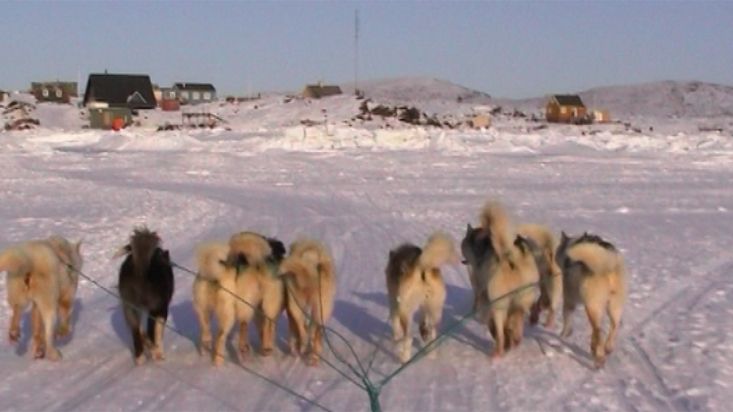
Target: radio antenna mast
{"points": [[356, 52]]}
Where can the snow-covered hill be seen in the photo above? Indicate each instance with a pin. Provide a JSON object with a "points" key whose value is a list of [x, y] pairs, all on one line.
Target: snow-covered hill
{"points": [[659, 99]]}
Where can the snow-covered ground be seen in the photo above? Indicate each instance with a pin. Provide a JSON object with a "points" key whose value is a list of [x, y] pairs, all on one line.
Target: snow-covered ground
{"points": [[663, 196]]}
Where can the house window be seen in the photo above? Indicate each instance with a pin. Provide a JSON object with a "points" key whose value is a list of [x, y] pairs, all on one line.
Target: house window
{"points": [[171, 95], [59, 93], [196, 96], [207, 96], [184, 95], [563, 109], [44, 92]]}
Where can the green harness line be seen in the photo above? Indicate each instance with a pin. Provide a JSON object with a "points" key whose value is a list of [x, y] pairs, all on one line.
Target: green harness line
{"points": [[373, 389], [192, 340]]}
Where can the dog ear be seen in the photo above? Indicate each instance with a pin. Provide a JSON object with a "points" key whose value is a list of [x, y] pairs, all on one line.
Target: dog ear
{"points": [[563, 236], [77, 246], [468, 228]]}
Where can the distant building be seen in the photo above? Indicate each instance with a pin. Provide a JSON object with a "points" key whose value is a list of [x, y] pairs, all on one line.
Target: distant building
{"points": [[57, 92], [3, 95], [317, 91], [481, 121], [195, 93], [168, 100], [108, 118], [132, 91], [601, 116], [565, 108]]}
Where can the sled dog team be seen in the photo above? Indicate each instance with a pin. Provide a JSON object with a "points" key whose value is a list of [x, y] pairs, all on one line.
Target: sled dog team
{"points": [[515, 272]]}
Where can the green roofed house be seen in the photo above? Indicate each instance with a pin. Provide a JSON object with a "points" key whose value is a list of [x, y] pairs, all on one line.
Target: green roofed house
{"points": [[317, 91], [131, 91], [57, 92]]}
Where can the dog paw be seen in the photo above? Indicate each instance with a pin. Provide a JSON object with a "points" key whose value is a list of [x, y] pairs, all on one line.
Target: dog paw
{"points": [[218, 360], [14, 336], [266, 351], [312, 360], [424, 331], [63, 331], [599, 362], [139, 360], [53, 354], [549, 323]]}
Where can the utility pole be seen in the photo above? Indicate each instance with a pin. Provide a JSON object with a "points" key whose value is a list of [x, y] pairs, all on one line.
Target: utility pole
{"points": [[356, 52]]}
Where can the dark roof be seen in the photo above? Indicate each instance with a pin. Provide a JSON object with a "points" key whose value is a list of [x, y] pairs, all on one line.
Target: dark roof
{"points": [[568, 100], [195, 86], [121, 90], [320, 90]]}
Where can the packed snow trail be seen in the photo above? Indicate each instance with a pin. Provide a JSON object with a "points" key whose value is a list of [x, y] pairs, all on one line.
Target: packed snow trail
{"points": [[670, 216]]}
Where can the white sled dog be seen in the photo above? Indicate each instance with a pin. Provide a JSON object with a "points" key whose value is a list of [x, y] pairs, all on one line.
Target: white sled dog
{"points": [[45, 273], [310, 283], [543, 247], [504, 274], [235, 280], [414, 280], [594, 275]]}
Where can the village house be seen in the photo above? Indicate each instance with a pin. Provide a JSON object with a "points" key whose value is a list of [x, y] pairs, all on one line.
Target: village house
{"points": [[565, 108], [132, 91], [317, 91], [56, 92], [194, 93]]}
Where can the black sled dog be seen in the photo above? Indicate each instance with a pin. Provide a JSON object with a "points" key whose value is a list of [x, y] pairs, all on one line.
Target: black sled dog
{"points": [[146, 288]]}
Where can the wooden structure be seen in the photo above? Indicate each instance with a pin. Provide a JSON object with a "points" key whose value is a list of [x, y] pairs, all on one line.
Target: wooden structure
{"points": [[601, 116], [107, 118], [317, 91], [56, 92], [565, 108]]}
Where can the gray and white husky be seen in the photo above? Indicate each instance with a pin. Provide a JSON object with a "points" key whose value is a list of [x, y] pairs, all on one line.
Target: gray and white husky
{"points": [[594, 275]]}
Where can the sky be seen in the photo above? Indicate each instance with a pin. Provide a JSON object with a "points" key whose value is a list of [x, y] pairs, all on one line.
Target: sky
{"points": [[511, 49]]}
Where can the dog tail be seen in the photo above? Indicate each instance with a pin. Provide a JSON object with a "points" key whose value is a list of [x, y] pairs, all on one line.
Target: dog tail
{"points": [[439, 250], [495, 219], [248, 247], [211, 258], [14, 263], [142, 245], [302, 271], [316, 253]]}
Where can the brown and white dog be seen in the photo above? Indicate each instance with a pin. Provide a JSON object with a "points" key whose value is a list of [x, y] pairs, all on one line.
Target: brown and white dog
{"points": [[414, 280], [236, 280], [310, 283], [504, 274], [44, 273]]}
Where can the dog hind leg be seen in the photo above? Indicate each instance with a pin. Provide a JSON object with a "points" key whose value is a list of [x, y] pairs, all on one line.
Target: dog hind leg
{"points": [[156, 325], [614, 309], [132, 317], [595, 317], [46, 307], [65, 307], [499, 317], [38, 346], [204, 324], [567, 319], [14, 330]]}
